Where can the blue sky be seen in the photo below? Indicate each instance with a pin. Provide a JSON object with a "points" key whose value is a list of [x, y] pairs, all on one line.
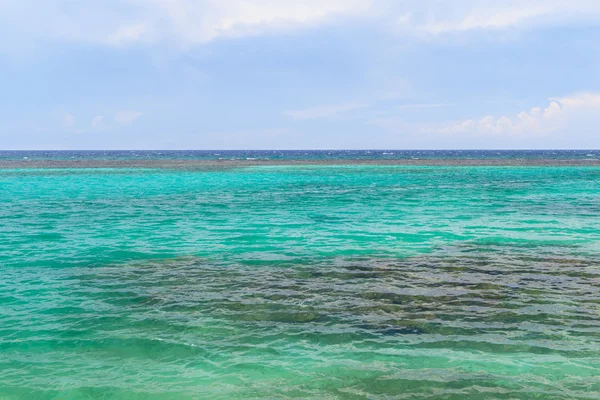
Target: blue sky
{"points": [[265, 74]]}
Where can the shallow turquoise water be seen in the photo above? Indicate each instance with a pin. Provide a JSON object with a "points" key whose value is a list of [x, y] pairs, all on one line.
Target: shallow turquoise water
{"points": [[316, 282]]}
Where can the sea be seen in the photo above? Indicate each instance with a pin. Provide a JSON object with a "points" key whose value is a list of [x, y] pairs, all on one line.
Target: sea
{"points": [[380, 274]]}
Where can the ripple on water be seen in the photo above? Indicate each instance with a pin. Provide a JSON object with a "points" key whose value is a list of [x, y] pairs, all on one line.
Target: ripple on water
{"points": [[454, 325]]}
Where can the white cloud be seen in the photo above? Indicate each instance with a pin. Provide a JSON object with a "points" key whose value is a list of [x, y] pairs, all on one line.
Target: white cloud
{"points": [[127, 117], [180, 22], [580, 100], [191, 22], [202, 21], [486, 17], [68, 120], [128, 34], [559, 114], [98, 122], [434, 17], [323, 111]]}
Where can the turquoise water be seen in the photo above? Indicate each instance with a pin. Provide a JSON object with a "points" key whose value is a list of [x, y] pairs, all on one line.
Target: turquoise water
{"points": [[314, 282]]}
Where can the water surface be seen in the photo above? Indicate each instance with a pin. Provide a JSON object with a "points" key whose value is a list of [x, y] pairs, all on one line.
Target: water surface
{"points": [[300, 281]]}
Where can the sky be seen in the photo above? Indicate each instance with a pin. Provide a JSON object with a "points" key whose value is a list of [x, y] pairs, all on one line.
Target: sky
{"points": [[299, 74]]}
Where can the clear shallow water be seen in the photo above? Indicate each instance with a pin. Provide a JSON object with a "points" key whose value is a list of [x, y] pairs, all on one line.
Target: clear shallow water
{"points": [[339, 282]]}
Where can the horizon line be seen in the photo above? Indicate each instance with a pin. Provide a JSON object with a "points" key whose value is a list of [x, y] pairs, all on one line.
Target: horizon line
{"points": [[296, 150]]}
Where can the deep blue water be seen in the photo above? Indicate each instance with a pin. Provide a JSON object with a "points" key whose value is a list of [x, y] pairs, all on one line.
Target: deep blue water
{"points": [[300, 154]]}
